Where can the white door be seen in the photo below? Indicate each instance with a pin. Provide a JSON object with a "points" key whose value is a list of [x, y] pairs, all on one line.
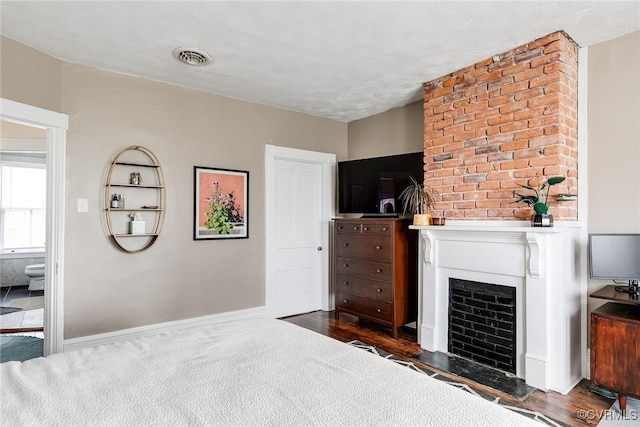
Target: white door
{"points": [[297, 240]]}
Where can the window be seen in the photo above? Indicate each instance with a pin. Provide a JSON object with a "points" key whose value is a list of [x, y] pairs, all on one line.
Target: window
{"points": [[23, 197]]}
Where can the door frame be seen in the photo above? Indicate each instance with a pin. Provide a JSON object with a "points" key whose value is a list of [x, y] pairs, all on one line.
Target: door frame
{"points": [[56, 125], [327, 162]]}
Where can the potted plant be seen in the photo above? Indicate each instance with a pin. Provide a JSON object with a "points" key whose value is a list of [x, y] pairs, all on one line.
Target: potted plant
{"points": [[541, 202], [418, 200]]}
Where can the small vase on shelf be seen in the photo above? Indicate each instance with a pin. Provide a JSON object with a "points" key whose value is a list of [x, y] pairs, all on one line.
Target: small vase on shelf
{"points": [[542, 220], [421, 219]]}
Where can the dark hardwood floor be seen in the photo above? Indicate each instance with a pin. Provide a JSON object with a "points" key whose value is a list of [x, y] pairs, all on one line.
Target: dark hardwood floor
{"points": [[580, 407]]}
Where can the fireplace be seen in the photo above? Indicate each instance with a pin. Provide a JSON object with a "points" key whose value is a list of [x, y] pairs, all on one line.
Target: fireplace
{"points": [[483, 323], [541, 265], [506, 121]]}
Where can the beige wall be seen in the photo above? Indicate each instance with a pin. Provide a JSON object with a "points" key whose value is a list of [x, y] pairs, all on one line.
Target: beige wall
{"points": [[614, 139], [106, 289], [395, 131], [19, 131], [30, 77]]}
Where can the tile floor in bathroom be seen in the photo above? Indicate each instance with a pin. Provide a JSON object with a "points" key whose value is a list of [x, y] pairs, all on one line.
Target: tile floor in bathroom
{"points": [[23, 318]]}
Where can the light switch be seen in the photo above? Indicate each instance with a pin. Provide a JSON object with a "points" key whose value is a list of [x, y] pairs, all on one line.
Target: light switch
{"points": [[83, 205]]}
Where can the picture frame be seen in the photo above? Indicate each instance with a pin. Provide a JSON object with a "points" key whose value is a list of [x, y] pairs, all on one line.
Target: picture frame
{"points": [[221, 203]]}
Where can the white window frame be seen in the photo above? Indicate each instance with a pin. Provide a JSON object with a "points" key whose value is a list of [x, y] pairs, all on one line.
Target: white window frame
{"points": [[18, 252]]}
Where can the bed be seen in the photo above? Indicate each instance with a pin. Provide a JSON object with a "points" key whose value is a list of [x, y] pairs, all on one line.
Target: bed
{"points": [[247, 373]]}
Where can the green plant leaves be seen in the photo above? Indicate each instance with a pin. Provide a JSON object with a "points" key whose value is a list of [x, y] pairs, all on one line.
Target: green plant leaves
{"points": [[222, 211], [540, 208], [528, 187], [555, 180], [540, 200], [417, 199], [530, 200]]}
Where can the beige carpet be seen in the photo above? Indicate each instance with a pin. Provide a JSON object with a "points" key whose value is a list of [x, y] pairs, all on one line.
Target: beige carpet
{"points": [[32, 303]]}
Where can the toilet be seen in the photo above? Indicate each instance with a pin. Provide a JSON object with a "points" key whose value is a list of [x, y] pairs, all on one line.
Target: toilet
{"points": [[36, 273]]}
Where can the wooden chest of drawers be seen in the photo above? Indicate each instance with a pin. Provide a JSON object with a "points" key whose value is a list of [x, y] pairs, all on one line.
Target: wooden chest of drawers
{"points": [[615, 349], [376, 270]]}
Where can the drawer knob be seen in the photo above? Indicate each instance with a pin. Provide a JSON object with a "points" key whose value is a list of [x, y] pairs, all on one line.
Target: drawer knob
{"points": [[378, 290], [345, 301], [366, 228], [378, 270], [345, 283], [345, 244], [378, 247], [379, 310], [355, 228], [340, 227], [345, 265], [384, 228]]}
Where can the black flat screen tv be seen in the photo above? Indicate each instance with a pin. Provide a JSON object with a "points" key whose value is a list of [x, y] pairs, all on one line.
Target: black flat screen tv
{"points": [[615, 257], [372, 186]]}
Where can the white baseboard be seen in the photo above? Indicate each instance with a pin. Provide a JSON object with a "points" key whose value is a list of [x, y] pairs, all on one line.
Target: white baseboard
{"points": [[142, 331]]}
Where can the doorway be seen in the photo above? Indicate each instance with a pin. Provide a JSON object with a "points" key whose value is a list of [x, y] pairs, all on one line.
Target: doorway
{"points": [[56, 125], [299, 191], [22, 233]]}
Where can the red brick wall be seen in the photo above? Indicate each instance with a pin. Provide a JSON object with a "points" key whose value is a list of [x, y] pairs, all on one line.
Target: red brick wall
{"points": [[509, 119]]}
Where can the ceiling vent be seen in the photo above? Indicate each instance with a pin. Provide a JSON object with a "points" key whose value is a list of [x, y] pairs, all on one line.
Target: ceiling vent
{"points": [[192, 56]]}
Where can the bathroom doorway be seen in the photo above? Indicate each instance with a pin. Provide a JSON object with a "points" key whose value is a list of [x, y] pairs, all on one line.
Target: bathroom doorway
{"points": [[54, 126], [23, 191]]}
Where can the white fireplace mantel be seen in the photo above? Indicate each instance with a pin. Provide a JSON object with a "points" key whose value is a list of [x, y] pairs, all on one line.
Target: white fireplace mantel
{"points": [[541, 263]]}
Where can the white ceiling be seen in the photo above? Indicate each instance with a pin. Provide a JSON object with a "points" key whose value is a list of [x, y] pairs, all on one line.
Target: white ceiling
{"points": [[341, 60]]}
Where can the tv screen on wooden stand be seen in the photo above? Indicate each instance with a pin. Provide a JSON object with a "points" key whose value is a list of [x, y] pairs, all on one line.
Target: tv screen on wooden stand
{"points": [[615, 257]]}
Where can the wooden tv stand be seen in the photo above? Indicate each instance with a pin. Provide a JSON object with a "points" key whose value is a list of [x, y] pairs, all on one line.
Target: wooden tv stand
{"points": [[609, 293], [615, 344]]}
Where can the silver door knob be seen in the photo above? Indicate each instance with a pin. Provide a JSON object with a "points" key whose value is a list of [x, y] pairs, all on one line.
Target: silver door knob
{"points": [[319, 248]]}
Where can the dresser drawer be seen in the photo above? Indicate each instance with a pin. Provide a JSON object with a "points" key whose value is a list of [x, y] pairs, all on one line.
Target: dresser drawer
{"points": [[363, 268], [377, 227], [367, 307], [380, 291], [348, 227], [372, 247]]}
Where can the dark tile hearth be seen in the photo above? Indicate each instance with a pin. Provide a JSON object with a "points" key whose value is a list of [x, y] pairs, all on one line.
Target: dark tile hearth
{"points": [[481, 374]]}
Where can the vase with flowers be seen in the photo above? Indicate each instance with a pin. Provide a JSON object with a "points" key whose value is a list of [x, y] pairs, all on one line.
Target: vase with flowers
{"points": [[541, 201]]}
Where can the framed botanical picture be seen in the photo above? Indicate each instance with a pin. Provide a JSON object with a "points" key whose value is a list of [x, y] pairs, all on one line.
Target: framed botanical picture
{"points": [[221, 204]]}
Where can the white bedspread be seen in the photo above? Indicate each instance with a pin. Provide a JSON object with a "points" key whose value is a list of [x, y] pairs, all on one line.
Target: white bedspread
{"points": [[249, 373]]}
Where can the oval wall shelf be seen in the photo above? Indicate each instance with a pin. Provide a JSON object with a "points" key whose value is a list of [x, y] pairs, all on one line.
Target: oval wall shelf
{"points": [[136, 175]]}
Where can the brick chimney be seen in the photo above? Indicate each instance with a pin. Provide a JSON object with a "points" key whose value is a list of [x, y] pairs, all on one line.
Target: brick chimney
{"points": [[509, 119]]}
